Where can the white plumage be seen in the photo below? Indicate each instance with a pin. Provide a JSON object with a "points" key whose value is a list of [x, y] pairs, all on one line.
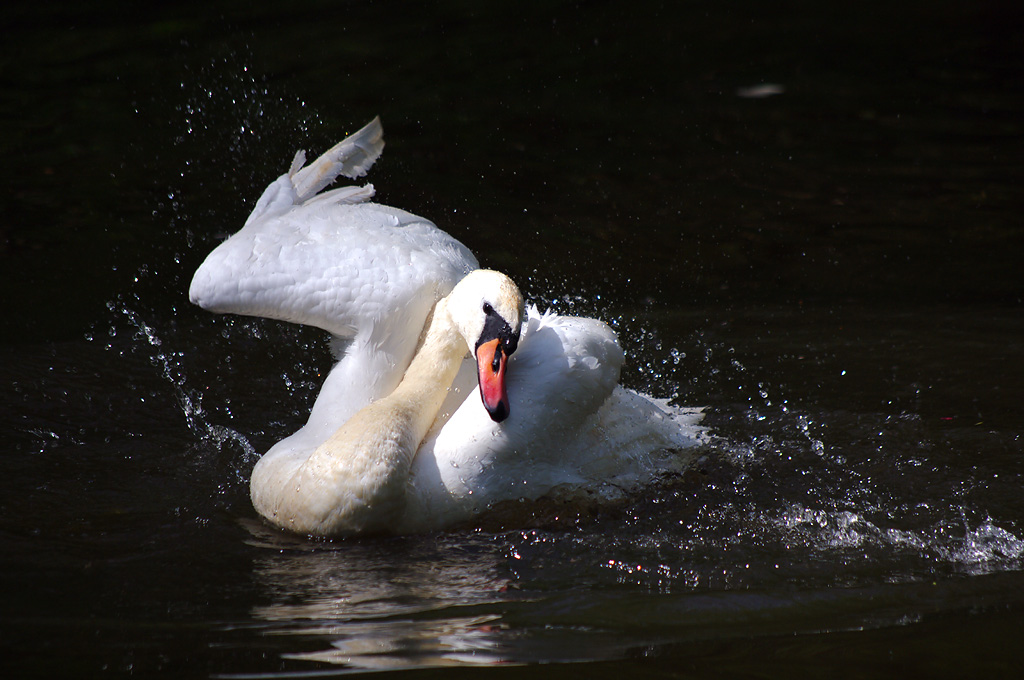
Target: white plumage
{"points": [[370, 275]]}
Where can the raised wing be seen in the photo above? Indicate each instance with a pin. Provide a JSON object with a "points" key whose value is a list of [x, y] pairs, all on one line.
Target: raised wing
{"points": [[344, 268], [332, 260]]}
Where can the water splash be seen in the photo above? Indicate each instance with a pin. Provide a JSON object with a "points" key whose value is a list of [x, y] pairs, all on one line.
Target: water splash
{"points": [[226, 115], [173, 372], [227, 100], [977, 548]]}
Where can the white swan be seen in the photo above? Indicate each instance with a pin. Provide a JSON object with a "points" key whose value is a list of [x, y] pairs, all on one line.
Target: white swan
{"points": [[371, 275]]}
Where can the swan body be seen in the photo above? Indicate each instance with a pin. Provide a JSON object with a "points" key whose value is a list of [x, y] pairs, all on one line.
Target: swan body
{"points": [[399, 438], [355, 481]]}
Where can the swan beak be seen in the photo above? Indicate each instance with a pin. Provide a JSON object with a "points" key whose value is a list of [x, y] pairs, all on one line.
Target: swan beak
{"points": [[490, 364]]}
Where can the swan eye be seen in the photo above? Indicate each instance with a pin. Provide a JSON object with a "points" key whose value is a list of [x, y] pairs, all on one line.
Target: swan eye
{"points": [[488, 310]]}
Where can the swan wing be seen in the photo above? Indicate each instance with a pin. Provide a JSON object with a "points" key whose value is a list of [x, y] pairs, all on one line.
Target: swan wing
{"points": [[338, 266], [351, 157], [332, 260]]}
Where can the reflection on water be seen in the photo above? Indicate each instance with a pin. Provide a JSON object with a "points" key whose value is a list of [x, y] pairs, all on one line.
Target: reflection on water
{"points": [[406, 644], [384, 604]]}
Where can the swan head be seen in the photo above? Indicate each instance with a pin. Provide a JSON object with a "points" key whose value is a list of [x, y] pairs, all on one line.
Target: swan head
{"points": [[487, 309]]}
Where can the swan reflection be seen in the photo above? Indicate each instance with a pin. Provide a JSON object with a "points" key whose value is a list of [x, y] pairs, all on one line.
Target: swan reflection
{"points": [[384, 604]]}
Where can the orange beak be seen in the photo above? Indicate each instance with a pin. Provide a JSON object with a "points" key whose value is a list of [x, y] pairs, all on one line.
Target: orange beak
{"points": [[490, 366]]}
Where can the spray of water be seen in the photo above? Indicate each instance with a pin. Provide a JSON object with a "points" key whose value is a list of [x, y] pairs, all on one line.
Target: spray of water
{"points": [[171, 364]]}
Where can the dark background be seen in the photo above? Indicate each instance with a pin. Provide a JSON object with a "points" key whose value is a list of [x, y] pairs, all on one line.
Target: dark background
{"points": [[887, 171], [803, 215]]}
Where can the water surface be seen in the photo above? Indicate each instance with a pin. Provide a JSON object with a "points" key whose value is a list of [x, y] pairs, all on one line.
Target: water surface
{"points": [[805, 219]]}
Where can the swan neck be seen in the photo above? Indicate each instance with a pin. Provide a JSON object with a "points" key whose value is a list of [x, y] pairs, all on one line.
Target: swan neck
{"points": [[433, 369], [355, 481]]}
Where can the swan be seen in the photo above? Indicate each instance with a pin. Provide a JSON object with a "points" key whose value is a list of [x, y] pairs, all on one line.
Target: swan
{"points": [[355, 481], [416, 428]]}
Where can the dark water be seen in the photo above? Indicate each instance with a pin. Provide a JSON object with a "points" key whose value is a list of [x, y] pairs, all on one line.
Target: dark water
{"points": [[804, 217]]}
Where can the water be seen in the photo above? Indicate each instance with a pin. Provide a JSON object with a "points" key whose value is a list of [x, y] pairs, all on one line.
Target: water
{"points": [[804, 218]]}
